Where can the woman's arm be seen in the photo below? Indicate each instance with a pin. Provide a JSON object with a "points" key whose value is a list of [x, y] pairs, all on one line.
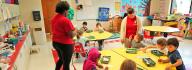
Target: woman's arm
{"points": [[139, 25], [122, 31]]}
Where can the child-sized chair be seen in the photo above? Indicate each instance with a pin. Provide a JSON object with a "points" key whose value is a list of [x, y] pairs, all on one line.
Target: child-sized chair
{"points": [[148, 37], [78, 49]]}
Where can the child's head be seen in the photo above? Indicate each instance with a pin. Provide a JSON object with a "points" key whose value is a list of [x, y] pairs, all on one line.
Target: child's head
{"points": [[172, 44], [79, 33], [161, 43], [98, 25], [94, 55], [138, 37], [84, 24], [128, 65]]}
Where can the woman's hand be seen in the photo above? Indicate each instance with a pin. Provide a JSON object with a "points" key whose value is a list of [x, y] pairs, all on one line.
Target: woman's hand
{"points": [[130, 37], [122, 41]]}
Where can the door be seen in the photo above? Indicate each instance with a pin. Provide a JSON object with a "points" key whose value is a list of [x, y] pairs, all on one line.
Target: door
{"points": [[48, 12]]}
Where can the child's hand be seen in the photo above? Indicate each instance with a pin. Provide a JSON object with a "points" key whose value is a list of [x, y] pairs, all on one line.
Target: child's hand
{"points": [[143, 49], [100, 66], [168, 67], [106, 68], [160, 60], [130, 37], [122, 40]]}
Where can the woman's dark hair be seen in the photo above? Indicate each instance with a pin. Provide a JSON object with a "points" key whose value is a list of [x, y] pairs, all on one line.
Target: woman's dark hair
{"points": [[128, 65], [130, 11], [173, 41], [62, 6], [84, 23]]}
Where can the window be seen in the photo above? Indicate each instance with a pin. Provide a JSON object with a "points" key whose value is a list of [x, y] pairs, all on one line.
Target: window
{"points": [[182, 6]]}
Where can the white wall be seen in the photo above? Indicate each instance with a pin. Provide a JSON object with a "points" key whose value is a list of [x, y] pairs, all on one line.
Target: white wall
{"points": [[26, 8], [96, 4]]}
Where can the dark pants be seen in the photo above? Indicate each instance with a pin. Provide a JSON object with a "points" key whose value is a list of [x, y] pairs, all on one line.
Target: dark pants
{"points": [[65, 52], [100, 42]]}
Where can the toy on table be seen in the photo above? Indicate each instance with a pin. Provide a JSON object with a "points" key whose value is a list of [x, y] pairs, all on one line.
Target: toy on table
{"points": [[105, 59], [131, 50], [149, 62], [157, 53]]}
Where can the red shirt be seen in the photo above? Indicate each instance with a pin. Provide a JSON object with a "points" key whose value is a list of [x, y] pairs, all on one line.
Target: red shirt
{"points": [[60, 27], [131, 27]]}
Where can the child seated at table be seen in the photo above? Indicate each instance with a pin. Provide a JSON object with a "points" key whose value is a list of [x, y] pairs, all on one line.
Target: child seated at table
{"points": [[83, 40], [161, 46], [99, 27], [128, 65], [84, 28], [174, 55], [91, 63], [135, 42]]}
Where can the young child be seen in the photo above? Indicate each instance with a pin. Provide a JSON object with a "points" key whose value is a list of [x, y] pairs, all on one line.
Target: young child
{"points": [[81, 38], [128, 65], [161, 46], [91, 63], [98, 27], [174, 55], [84, 28], [135, 42]]}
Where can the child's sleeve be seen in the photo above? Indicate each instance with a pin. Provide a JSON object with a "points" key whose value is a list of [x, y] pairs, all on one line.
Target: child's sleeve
{"points": [[177, 56]]}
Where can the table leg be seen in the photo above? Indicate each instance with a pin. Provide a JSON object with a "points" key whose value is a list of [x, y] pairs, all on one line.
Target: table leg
{"points": [[165, 34], [100, 42]]}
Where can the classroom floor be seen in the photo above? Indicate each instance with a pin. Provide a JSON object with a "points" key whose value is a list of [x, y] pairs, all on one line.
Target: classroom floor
{"points": [[44, 60]]}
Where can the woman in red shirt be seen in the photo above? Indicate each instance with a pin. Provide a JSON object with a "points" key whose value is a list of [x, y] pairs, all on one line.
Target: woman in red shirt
{"points": [[63, 33], [130, 26]]}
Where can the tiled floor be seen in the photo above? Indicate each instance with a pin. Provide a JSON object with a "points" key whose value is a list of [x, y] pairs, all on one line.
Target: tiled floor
{"points": [[44, 59]]}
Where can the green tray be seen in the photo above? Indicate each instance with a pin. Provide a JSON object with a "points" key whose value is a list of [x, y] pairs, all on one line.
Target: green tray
{"points": [[131, 50], [89, 31], [157, 53], [149, 62], [91, 37], [105, 59]]}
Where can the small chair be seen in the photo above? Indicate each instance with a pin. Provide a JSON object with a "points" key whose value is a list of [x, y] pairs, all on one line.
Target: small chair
{"points": [[148, 37], [78, 48]]}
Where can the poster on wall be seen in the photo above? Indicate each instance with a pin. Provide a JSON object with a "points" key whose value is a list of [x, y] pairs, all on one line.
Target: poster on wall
{"points": [[103, 14], [142, 7], [117, 7]]}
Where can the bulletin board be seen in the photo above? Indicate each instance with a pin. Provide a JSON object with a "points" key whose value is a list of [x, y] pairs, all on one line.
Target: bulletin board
{"points": [[103, 14]]}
